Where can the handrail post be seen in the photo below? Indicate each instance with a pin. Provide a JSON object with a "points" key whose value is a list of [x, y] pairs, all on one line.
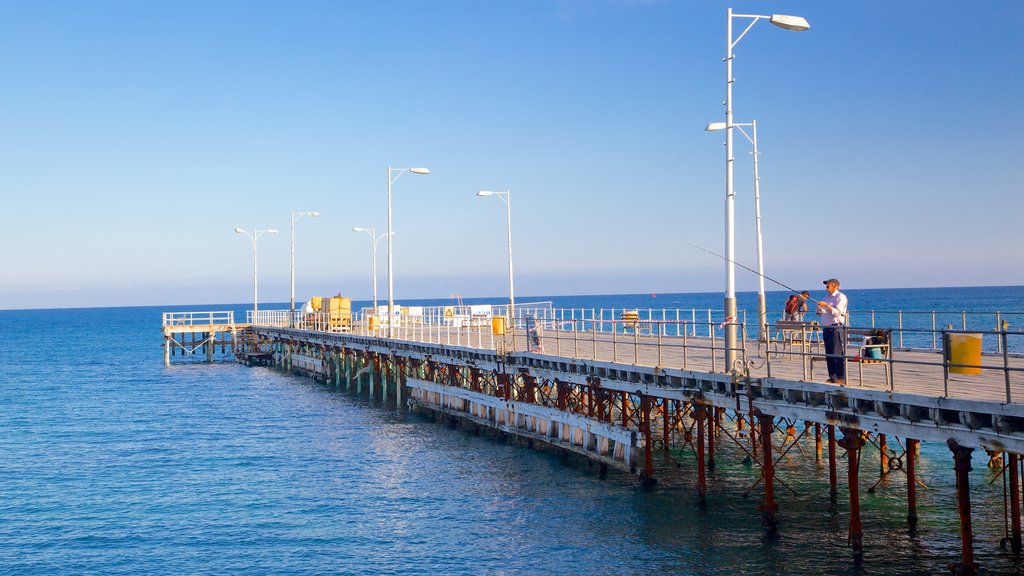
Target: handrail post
{"points": [[636, 344], [714, 364], [659, 347], [615, 351], [945, 364], [743, 354], [900, 316], [803, 350], [999, 341], [685, 334], [846, 343], [933, 329], [1006, 367]]}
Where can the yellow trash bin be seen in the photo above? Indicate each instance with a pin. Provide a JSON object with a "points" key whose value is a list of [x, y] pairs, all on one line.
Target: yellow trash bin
{"points": [[964, 349], [498, 325]]}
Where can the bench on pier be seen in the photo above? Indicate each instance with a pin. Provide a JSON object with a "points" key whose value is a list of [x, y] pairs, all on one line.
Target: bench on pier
{"points": [[875, 347], [793, 333]]}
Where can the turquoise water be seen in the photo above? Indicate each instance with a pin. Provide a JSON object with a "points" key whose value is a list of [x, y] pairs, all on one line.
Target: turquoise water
{"points": [[111, 463]]}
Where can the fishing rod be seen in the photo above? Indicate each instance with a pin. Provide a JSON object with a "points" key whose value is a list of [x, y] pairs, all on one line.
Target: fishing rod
{"points": [[768, 278]]}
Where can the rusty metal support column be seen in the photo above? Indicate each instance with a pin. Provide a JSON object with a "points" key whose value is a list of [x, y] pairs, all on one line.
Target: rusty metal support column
{"points": [[647, 478], [374, 370], [833, 481], [474, 379], [912, 482], [702, 485], [399, 377], [505, 382], [853, 440], [962, 465], [883, 456], [625, 410], [769, 508], [530, 388], [817, 442], [1015, 543], [386, 370], [711, 438], [666, 418]]}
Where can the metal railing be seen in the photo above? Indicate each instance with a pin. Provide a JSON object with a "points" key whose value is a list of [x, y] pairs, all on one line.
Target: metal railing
{"points": [[922, 329], [198, 318], [693, 339]]}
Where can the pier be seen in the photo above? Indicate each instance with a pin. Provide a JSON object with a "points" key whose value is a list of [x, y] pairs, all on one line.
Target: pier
{"points": [[624, 389]]}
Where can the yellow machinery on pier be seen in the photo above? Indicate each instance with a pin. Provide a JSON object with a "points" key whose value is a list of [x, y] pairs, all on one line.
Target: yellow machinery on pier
{"points": [[332, 313]]}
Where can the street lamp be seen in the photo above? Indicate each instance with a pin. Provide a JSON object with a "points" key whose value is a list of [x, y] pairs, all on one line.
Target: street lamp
{"points": [[256, 233], [762, 308], [393, 175], [506, 198], [295, 218], [375, 240], [796, 24]]}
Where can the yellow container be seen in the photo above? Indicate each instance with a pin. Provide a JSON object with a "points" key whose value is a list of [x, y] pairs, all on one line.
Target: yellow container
{"points": [[498, 325], [372, 322], [316, 302], [965, 349]]}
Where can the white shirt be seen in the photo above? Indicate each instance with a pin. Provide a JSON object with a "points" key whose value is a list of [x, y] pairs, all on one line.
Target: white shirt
{"points": [[834, 313]]}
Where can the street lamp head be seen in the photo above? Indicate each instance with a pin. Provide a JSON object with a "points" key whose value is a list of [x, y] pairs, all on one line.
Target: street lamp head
{"points": [[715, 126], [794, 23], [419, 170], [313, 214], [239, 231], [271, 231], [485, 193], [358, 229]]}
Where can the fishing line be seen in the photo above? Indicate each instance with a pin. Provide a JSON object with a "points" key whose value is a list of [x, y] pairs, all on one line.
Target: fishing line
{"points": [[769, 278]]}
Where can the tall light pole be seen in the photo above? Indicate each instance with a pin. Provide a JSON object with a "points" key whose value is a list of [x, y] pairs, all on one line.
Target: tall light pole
{"points": [[374, 240], [762, 307], [393, 175], [295, 218], [256, 233], [794, 23], [507, 199]]}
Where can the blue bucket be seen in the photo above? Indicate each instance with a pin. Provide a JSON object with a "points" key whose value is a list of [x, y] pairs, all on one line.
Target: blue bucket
{"points": [[873, 352]]}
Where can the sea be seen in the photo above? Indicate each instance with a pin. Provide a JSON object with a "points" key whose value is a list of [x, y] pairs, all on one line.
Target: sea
{"points": [[113, 463]]}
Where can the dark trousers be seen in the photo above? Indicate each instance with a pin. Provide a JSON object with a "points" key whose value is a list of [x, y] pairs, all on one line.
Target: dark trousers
{"points": [[835, 349]]}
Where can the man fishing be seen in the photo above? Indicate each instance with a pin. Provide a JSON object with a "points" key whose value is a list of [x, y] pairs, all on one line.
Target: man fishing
{"points": [[832, 314]]}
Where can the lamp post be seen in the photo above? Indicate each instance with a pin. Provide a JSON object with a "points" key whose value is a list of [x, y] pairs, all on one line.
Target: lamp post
{"points": [[796, 24], [374, 240], [507, 199], [393, 175], [256, 233], [295, 218], [762, 308]]}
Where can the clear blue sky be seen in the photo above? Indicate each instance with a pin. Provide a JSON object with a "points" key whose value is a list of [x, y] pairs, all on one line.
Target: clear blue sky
{"points": [[137, 135]]}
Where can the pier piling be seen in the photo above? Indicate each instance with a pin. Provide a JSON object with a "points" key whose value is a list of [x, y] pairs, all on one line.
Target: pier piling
{"points": [[853, 440], [962, 466]]}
